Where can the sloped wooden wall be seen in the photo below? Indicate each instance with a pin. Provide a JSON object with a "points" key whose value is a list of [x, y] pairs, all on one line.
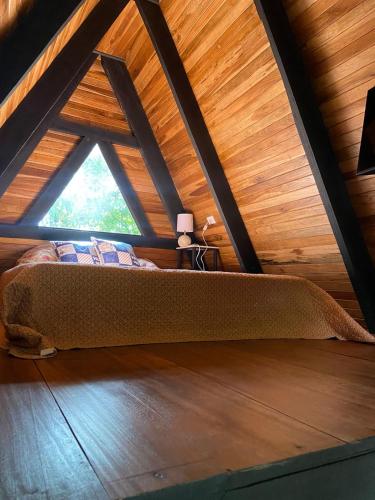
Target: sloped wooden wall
{"points": [[235, 78], [39, 168], [48, 56], [337, 40], [94, 103]]}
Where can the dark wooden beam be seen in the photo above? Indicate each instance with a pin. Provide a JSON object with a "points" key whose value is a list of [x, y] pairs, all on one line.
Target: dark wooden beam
{"points": [[25, 127], [130, 103], [22, 154], [319, 152], [57, 234], [24, 44], [199, 134], [130, 196], [95, 132], [58, 182]]}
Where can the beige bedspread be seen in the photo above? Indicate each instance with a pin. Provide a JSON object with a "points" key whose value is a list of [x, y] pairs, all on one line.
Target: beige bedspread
{"points": [[72, 306]]}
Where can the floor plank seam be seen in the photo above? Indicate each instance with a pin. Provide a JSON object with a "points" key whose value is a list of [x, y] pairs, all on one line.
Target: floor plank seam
{"points": [[344, 354], [70, 427], [157, 470], [292, 363], [237, 391]]}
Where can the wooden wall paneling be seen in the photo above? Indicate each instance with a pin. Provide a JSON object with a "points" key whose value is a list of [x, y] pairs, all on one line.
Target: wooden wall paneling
{"points": [[58, 182], [340, 60], [128, 39], [234, 76], [264, 130], [199, 134], [38, 69], [11, 249], [242, 70], [128, 193], [163, 258], [26, 41], [94, 103], [35, 173], [139, 177], [129, 101]]}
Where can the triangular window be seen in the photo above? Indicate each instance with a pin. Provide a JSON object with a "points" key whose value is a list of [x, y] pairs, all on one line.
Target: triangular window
{"points": [[92, 201]]}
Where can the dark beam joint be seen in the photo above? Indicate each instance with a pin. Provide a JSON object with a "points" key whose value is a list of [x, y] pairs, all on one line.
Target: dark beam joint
{"points": [[319, 152], [128, 193], [98, 134], [199, 134], [130, 103]]}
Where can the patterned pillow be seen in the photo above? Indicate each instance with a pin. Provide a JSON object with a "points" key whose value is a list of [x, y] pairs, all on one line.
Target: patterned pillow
{"points": [[76, 252], [41, 253], [115, 253]]}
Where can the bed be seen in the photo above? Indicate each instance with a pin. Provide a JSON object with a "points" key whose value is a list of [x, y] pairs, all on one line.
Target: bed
{"points": [[61, 305]]}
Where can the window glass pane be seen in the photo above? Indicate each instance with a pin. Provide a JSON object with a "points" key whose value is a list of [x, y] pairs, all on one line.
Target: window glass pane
{"points": [[92, 201]]}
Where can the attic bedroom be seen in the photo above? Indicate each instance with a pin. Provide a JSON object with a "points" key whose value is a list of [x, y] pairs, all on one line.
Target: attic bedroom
{"points": [[187, 245]]}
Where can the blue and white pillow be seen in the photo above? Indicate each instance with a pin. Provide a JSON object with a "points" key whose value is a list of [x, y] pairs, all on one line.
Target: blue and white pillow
{"points": [[76, 252], [115, 253]]}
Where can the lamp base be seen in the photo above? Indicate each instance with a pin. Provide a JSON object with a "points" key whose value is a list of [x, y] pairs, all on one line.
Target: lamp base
{"points": [[184, 240]]}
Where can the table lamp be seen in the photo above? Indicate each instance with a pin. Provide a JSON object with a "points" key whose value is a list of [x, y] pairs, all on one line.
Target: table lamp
{"points": [[184, 225]]}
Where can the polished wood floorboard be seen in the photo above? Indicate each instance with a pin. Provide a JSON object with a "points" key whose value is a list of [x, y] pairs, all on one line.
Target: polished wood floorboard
{"points": [[115, 422], [39, 455]]}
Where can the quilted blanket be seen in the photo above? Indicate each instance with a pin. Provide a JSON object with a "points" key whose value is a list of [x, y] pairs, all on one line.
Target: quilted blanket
{"points": [[68, 306]]}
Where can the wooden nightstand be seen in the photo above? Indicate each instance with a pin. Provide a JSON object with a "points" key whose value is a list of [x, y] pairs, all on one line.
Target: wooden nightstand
{"points": [[193, 251]]}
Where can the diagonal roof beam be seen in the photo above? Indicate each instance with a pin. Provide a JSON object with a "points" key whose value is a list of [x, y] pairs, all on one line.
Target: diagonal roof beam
{"points": [[319, 151], [128, 193], [32, 118], [191, 114], [13, 146], [24, 44], [130, 103], [58, 182]]}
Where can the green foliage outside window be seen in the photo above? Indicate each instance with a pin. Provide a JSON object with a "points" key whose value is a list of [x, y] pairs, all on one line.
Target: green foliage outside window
{"points": [[92, 201]]}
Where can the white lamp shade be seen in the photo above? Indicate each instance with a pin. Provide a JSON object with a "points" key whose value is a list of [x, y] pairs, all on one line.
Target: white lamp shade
{"points": [[185, 223]]}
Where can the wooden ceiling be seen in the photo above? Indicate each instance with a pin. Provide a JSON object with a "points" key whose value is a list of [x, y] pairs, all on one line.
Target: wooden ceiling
{"points": [[94, 103], [39, 168], [233, 73]]}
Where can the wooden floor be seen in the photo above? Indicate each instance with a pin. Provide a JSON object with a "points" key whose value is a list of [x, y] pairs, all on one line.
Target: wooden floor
{"points": [[110, 423]]}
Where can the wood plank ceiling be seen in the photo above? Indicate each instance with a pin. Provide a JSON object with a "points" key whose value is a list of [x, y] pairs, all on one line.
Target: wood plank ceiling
{"points": [[234, 76]]}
